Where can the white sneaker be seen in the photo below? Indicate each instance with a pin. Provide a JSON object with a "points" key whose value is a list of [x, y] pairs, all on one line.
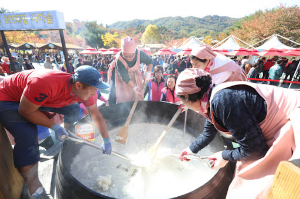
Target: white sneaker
{"points": [[40, 194]]}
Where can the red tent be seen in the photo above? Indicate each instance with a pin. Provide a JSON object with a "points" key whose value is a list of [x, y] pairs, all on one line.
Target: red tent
{"points": [[103, 50], [272, 52], [241, 51], [165, 51], [90, 51], [145, 51], [254, 50], [223, 51], [112, 51], [294, 52], [186, 51]]}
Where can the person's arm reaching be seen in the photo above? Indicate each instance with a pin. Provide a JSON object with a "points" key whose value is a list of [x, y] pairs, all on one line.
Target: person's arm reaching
{"points": [[146, 90], [208, 134], [101, 126], [30, 111]]}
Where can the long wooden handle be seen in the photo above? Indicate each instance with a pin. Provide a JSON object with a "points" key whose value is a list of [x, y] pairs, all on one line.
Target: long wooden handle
{"points": [[184, 124], [79, 139], [133, 107], [132, 110], [173, 119], [168, 127]]}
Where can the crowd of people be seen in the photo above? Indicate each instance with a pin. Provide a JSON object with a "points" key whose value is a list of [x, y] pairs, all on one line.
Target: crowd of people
{"points": [[209, 83], [275, 68]]}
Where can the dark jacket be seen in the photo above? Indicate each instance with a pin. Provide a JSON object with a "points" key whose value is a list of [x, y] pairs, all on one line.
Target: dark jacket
{"points": [[171, 69], [78, 65], [18, 67], [28, 66], [183, 65], [291, 68], [260, 68]]}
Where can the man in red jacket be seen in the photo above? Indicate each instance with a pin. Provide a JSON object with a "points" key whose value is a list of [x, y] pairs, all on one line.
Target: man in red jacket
{"points": [[22, 98], [267, 67]]}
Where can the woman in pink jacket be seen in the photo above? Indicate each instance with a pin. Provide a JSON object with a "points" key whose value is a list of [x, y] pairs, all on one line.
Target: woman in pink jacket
{"points": [[220, 67], [263, 120]]}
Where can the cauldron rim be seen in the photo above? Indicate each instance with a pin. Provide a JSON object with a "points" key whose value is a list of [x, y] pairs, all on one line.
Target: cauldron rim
{"points": [[205, 191], [77, 181], [221, 171]]}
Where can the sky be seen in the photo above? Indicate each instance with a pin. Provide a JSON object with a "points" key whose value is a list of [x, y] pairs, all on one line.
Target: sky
{"points": [[110, 11]]}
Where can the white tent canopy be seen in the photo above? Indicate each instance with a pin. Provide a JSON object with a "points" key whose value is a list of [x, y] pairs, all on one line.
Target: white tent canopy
{"points": [[229, 43], [190, 43], [273, 42]]}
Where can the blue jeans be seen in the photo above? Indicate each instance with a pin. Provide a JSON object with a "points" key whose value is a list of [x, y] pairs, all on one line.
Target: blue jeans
{"points": [[72, 113], [26, 150]]}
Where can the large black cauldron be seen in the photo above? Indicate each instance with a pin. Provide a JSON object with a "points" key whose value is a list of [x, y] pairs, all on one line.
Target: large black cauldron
{"points": [[67, 187]]}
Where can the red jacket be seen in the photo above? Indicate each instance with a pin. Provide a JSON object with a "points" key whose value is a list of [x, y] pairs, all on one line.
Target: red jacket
{"points": [[169, 96], [268, 65], [5, 68], [155, 90]]}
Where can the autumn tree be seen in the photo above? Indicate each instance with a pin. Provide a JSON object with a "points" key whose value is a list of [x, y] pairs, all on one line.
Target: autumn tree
{"points": [[222, 36], [92, 34], [175, 42], [281, 20], [3, 10], [22, 37], [79, 27], [110, 40], [151, 35], [207, 40], [70, 28]]}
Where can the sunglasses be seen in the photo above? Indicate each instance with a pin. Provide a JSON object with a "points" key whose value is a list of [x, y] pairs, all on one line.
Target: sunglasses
{"points": [[129, 56]]}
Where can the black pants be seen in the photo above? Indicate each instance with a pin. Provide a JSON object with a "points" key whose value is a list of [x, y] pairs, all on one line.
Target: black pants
{"points": [[290, 74], [266, 74]]}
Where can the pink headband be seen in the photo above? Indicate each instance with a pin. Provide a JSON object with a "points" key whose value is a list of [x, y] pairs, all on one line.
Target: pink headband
{"points": [[128, 45], [203, 52], [186, 83]]}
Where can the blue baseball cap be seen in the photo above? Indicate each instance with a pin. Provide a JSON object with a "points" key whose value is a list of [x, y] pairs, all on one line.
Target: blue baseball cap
{"points": [[90, 76]]}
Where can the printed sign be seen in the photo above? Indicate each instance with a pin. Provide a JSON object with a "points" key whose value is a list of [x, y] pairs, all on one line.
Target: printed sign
{"points": [[41, 20], [51, 46], [86, 131]]}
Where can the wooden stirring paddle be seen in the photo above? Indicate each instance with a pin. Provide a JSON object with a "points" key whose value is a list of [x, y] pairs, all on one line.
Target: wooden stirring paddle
{"points": [[152, 151], [123, 133]]}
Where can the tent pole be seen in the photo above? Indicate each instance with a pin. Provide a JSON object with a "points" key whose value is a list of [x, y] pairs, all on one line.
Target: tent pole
{"points": [[263, 40], [243, 41], [217, 44], [235, 40], [64, 49], [12, 64], [294, 75], [288, 39], [200, 42], [184, 42]]}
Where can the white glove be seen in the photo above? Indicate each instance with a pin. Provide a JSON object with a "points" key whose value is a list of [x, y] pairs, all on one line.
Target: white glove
{"points": [[147, 76], [137, 90]]}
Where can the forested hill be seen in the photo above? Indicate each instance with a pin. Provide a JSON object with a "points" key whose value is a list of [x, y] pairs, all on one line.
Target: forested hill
{"points": [[184, 25]]}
